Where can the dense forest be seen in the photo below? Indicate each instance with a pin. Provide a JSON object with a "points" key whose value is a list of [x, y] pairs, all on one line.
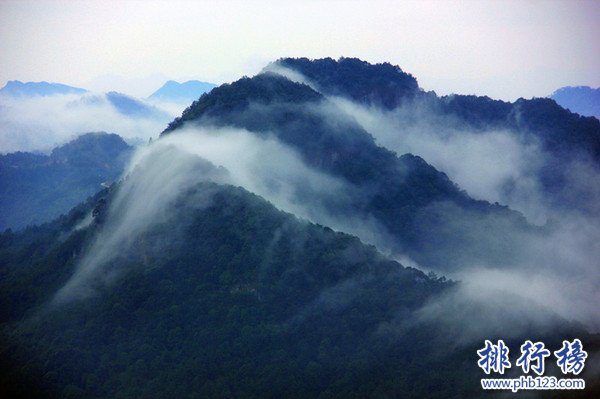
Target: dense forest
{"points": [[36, 188], [239, 301]]}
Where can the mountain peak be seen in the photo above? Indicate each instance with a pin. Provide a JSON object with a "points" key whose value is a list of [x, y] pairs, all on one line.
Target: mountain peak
{"points": [[262, 88], [378, 84], [185, 92], [91, 147], [16, 88], [131, 106], [583, 100]]}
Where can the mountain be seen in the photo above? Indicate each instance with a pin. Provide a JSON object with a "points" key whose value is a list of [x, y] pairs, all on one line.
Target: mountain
{"points": [[226, 296], [567, 145], [567, 141], [16, 88], [388, 86], [413, 201], [130, 106], [191, 276], [36, 124], [560, 131], [383, 84], [36, 188], [583, 100], [185, 92], [125, 105]]}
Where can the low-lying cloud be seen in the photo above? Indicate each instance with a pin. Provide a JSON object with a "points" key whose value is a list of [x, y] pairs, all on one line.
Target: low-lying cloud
{"points": [[493, 164], [42, 123], [143, 199], [161, 171], [556, 274]]}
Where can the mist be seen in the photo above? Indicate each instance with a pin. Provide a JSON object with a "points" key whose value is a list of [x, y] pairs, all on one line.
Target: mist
{"points": [[38, 124], [152, 182], [161, 171], [493, 164], [558, 272], [554, 279]]}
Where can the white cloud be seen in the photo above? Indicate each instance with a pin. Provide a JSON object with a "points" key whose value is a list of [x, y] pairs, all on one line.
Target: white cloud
{"points": [[41, 123]]}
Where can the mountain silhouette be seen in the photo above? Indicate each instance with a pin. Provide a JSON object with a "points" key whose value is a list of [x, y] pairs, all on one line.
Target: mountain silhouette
{"points": [[185, 92], [17, 88]]}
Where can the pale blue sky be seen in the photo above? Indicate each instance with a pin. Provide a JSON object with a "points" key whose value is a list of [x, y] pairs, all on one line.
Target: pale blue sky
{"points": [[504, 49]]}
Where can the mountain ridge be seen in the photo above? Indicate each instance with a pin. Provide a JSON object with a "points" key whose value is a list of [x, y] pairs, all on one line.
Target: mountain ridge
{"points": [[275, 291], [185, 92], [383, 84], [17, 88], [398, 191], [566, 139], [583, 100], [36, 188]]}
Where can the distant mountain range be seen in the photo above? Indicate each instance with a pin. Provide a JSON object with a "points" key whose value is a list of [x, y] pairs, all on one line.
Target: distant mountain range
{"points": [[36, 115], [36, 188], [583, 100], [16, 88], [39, 118], [185, 92], [125, 105], [171, 91]]}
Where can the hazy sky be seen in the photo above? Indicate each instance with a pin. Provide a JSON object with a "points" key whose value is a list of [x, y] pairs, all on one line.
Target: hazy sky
{"points": [[504, 49]]}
